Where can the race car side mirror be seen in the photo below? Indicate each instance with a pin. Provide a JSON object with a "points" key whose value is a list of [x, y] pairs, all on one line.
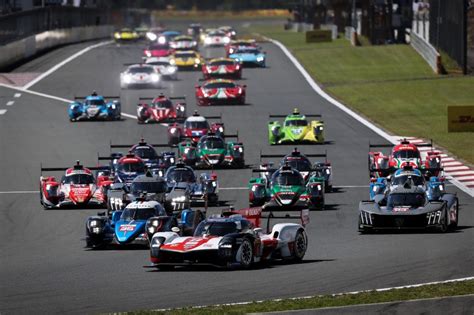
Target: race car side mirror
{"points": [[175, 229]]}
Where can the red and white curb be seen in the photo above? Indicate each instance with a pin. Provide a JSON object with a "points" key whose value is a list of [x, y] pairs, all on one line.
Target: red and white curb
{"points": [[454, 170]]}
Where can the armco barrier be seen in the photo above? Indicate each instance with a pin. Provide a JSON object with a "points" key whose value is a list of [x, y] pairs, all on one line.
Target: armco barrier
{"points": [[428, 52], [16, 51]]}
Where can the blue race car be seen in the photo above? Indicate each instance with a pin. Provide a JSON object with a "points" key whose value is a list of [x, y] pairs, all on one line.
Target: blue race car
{"points": [[137, 223], [125, 169], [249, 56], [95, 107]]}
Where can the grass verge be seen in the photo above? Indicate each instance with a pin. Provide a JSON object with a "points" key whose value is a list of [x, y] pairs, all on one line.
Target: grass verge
{"points": [[391, 85], [369, 297]]}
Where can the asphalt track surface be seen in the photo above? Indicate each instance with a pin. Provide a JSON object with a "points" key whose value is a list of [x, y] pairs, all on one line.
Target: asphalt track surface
{"points": [[44, 267]]}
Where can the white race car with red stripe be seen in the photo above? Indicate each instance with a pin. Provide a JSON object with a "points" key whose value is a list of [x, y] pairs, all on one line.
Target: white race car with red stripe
{"points": [[77, 188], [220, 91], [222, 67], [233, 239]]}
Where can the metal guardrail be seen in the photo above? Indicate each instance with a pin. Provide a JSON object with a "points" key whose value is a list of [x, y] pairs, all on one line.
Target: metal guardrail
{"points": [[19, 25], [427, 51]]}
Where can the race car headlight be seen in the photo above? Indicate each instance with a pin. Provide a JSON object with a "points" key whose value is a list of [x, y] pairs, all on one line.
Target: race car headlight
{"points": [[172, 160], [214, 184], [151, 229], [48, 187], [179, 199], [231, 50], [172, 62], [96, 230], [225, 245], [172, 69], [173, 130], [127, 78], [260, 58], [181, 108], [221, 129], [93, 223], [238, 59], [233, 33], [186, 150], [197, 61], [155, 78], [117, 35], [151, 36], [155, 223], [239, 91], [161, 39], [194, 43], [226, 40], [207, 40], [112, 106], [134, 34]]}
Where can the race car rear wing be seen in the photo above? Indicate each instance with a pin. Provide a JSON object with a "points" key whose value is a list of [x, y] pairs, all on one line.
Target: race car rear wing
{"points": [[284, 116], [255, 216], [76, 166], [402, 141], [105, 97], [171, 98], [317, 155]]}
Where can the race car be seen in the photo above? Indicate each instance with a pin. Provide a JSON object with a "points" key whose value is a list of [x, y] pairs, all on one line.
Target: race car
{"points": [[215, 38], [120, 195], [186, 59], [195, 30], [285, 189], [211, 151], [220, 91], [125, 169], [249, 56], [222, 67], [125, 34], [194, 128], [234, 239], [78, 188], [157, 50], [164, 67], [203, 189], [235, 44], [136, 224], [161, 109], [167, 36], [95, 107], [153, 33], [184, 42], [402, 154], [140, 75], [229, 31], [141, 31], [302, 164], [153, 161], [407, 206], [295, 129]]}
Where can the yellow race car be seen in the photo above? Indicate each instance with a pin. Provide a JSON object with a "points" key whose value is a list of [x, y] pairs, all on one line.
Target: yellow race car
{"points": [[126, 34], [187, 59]]}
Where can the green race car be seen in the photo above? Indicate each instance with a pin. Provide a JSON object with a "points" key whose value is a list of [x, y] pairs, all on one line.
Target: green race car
{"points": [[211, 151], [295, 129], [285, 189]]}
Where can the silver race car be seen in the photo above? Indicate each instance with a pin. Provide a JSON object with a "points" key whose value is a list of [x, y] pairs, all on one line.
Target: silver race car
{"points": [[140, 75]]}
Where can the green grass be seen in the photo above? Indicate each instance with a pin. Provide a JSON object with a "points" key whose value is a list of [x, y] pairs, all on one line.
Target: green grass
{"points": [[423, 292], [389, 84]]}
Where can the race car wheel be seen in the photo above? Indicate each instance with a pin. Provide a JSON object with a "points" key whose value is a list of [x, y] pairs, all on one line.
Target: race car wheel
{"points": [[301, 244], [246, 254], [443, 227], [454, 224]]}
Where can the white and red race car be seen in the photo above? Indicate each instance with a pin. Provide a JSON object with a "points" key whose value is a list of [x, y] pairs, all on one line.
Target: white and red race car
{"points": [[222, 67], [194, 128], [77, 188], [161, 109], [233, 239], [220, 91]]}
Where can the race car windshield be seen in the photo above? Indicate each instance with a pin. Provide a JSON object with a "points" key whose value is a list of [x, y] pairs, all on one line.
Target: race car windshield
{"points": [[159, 47], [196, 125], [190, 55], [132, 167], [213, 143], [400, 180], [215, 228], [138, 214], [181, 175], [222, 63], [246, 50], [78, 179], [183, 40], [287, 179], [296, 123], [147, 70], [216, 34], [163, 104], [159, 63], [149, 187], [95, 102], [220, 85], [406, 154], [301, 165], [145, 153], [411, 200]]}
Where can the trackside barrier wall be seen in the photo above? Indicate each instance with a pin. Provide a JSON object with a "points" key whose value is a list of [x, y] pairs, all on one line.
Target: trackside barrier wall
{"points": [[427, 51], [351, 34], [332, 28], [19, 50]]}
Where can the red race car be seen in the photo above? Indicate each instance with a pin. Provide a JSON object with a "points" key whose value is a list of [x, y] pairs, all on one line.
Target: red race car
{"points": [[161, 109], [77, 188], [220, 91], [194, 128], [235, 44], [157, 50], [404, 154], [222, 67]]}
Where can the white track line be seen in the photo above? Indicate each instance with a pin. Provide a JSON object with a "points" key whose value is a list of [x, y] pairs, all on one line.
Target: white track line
{"points": [[19, 192], [10, 103], [62, 63], [17, 95], [351, 113], [315, 296], [3, 111]]}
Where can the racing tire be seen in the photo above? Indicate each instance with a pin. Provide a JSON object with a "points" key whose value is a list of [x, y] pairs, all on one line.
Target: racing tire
{"points": [[443, 228], [454, 225], [301, 245], [246, 254]]}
